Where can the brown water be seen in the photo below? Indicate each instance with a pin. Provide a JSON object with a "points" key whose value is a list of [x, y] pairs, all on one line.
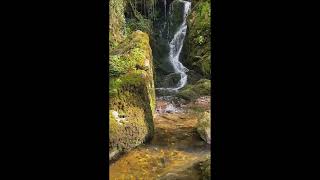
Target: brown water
{"points": [[174, 152]]}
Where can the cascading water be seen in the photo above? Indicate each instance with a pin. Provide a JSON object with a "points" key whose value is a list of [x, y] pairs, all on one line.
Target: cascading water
{"points": [[175, 46]]}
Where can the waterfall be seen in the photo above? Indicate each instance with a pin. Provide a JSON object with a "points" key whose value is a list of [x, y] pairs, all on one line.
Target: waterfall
{"points": [[175, 46]]}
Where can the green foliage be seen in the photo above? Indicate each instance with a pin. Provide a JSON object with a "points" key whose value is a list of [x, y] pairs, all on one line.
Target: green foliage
{"points": [[117, 21], [201, 16], [142, 24], [154, 15], [206, 169], [198, 41]]}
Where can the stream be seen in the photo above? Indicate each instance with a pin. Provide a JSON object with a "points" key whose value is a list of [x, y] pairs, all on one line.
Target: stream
{"points": [[174, 152]]}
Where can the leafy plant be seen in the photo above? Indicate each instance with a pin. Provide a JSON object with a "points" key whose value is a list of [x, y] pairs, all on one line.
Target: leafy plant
{"points": [[200, 40]]}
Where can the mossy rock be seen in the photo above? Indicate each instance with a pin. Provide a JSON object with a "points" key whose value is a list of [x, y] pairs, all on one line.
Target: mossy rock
{"points": [[192, 92], [205, 168], [132, 53], [197, 45], [131, 94], [193, 76], [168, 81], [204, 127]]}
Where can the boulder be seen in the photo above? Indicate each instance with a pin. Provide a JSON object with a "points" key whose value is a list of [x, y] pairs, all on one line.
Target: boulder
{"points": [[131, 94], [204, 127], [193, 91], [205, 168]]}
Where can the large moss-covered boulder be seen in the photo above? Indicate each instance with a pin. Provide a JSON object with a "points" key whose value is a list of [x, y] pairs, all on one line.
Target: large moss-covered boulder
{"points": [[193, 91], [197, 44], [204, 127], [131, 94]]}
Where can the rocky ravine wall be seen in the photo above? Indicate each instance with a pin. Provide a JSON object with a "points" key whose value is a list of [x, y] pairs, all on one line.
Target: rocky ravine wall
{"points": [[198, 40], [131, 86]]}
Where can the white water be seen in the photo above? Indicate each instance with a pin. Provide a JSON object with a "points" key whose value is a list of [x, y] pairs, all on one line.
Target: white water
{"points": [[176, 45]]}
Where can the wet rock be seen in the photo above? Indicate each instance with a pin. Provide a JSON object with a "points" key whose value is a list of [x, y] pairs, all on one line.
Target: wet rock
{"points": [[113, 153], [191, 171], [170, 109], [170, 80], [193, 91], [204, 127], [161, 105], [193, 76], [173, 176], [203, 100], [205, 168], [176, 16]]}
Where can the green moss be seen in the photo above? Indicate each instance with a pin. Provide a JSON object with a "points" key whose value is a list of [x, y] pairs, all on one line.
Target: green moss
{"points": [[117, 22], [206, 169], [204, 126], [142, 24], [191, 92], [133, 51], [138, 126], [198, 40], [131, 92]]}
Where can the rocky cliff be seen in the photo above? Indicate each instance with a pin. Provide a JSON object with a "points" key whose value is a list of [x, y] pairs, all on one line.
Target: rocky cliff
{"points": [[198, 41]]}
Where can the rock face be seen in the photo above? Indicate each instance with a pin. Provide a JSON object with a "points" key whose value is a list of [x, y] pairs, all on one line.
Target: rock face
{"points": [[117, 22], [197, 44], [204, 127], [175, 16], [131, 94]]}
